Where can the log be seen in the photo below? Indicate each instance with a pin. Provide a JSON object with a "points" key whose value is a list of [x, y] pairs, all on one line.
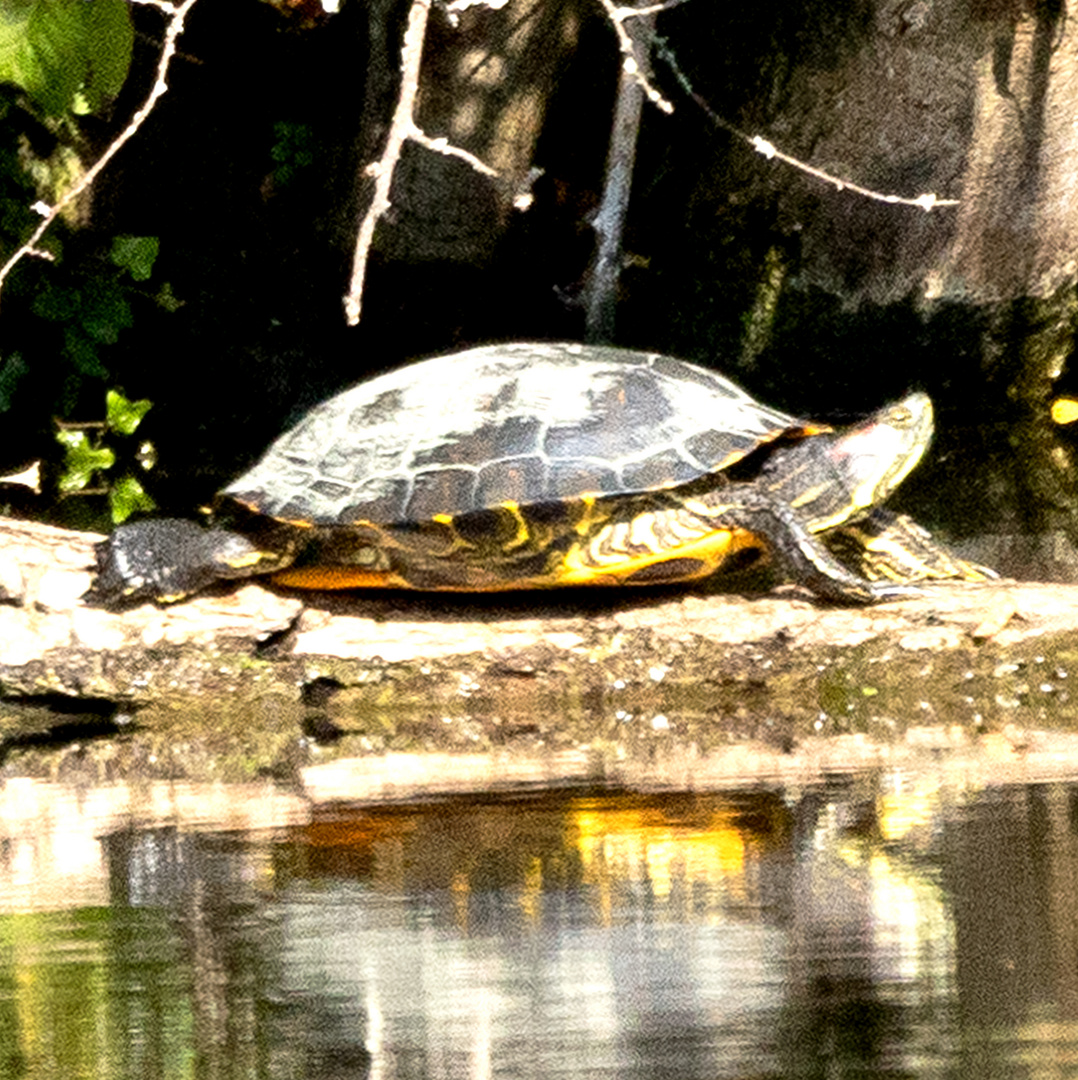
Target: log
{"points": [[393, 696]]}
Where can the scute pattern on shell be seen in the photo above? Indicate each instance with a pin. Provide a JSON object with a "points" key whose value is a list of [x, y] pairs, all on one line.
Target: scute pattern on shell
{"points": [[526, 422]]}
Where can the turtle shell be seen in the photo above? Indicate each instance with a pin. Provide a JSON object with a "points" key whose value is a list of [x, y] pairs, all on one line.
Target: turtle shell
{"points": [[522, 423]]}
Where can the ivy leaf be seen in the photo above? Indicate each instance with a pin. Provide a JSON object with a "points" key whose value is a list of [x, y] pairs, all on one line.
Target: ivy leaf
{"points": [[109, 37], [12, 370], [61, 50], [106, 311], [81, 459], [293, 150], [126, 496], [82, 352], [124, 416], [167, 299], [136, 254], [57, 303], [40, 52]]}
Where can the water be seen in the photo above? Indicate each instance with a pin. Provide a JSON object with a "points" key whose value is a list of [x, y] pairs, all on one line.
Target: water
{"points": [[885, 926]]}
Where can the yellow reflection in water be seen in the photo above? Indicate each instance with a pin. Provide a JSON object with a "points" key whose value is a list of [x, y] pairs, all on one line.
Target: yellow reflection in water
{"points": [[531, 893], [912, 807], [642, 846]]}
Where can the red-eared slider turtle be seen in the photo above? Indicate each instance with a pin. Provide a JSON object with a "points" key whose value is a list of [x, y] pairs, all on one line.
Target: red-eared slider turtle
{"points": [[530, 465]]}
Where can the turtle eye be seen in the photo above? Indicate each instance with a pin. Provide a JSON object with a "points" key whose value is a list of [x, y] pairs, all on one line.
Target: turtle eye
{"points": [[901, 415]]}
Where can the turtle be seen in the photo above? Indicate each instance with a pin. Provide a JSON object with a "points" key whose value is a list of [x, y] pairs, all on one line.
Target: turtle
{"points": [[885, 545], [528, 465]]}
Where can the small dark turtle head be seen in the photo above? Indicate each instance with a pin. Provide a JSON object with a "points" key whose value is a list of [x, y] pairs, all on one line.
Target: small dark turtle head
{"points": [[167, 559]]}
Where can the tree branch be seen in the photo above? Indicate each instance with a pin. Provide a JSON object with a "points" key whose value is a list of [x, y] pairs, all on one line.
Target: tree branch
{"points": [[443, 146], [631, 65], [177, 14], [402, 127], [650, 9], [601, 293], [926, 202]]}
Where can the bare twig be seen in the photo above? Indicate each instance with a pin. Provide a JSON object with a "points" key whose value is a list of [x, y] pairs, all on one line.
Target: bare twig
{"points": [[149, 39], [926, 202], [177, 14], [453, 9], [402, 127], [630, 64], [443, 146], [650, 9], [609, 222], [30, 477]]}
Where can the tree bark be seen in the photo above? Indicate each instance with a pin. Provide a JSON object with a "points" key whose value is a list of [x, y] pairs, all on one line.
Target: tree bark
{"points": [[1016, 230]]}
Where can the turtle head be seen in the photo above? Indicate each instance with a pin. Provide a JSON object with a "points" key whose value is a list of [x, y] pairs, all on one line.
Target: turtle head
{"points": [[161, 559], [167, 559], [828, 480], [874, 457]]}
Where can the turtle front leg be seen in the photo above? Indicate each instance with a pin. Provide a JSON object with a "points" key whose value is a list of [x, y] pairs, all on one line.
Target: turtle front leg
{"points": [[807, 561]]}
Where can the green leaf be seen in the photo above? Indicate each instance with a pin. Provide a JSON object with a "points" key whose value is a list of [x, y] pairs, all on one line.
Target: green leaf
{"points": [[82, 352], [60, 50], [109, 38], [70, 391], [39, 49], [124, 416], [105, 310], [136, 254], [57, 303], [81, 459], [167, 299], [12, 370], [293, 150], [126, 496], [104, 321]]}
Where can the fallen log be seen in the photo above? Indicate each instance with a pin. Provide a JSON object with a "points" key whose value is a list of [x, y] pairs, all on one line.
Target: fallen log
{"points": [[433, 693]]}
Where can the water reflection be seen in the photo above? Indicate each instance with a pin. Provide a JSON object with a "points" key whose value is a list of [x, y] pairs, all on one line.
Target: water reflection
{"points": [[875, 928]]}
